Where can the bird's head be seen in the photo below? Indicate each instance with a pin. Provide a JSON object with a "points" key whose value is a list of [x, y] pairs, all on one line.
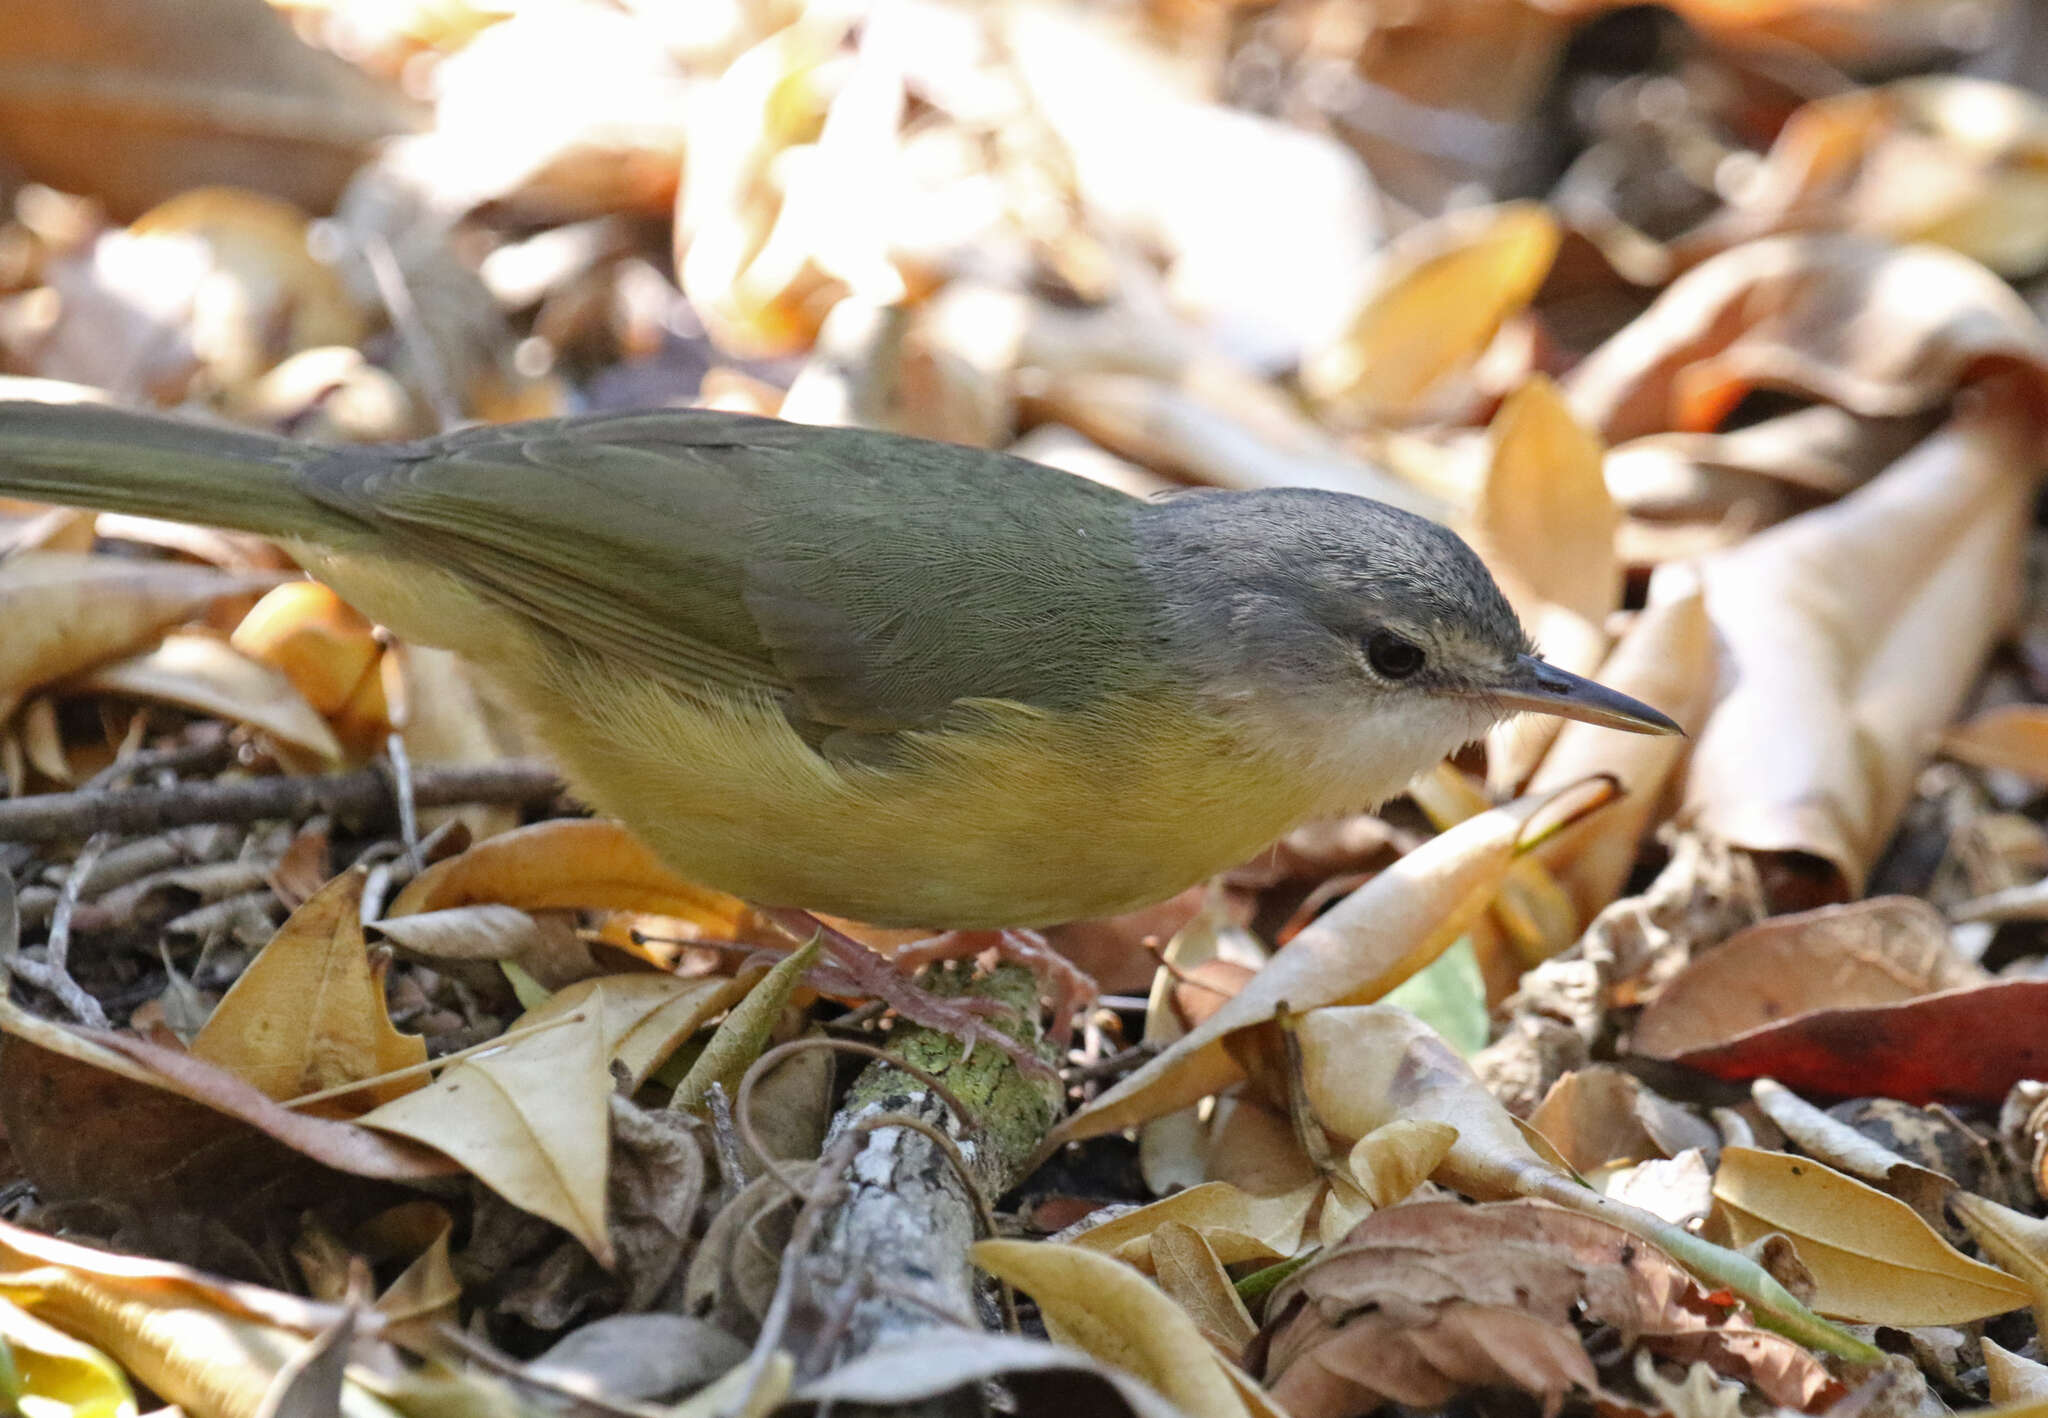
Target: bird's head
{"points": [[1354, 628]]}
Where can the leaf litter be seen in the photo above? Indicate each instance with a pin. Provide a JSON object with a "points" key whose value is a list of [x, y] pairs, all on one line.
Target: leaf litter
{"points": [[1716, 328]]}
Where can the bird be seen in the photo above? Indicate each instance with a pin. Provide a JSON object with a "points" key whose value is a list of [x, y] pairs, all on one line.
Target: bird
{"points": [[896, 681]]}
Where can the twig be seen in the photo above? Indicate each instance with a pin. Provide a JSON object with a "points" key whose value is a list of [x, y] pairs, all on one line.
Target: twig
{"points": [[361, 795], [53, 968]]}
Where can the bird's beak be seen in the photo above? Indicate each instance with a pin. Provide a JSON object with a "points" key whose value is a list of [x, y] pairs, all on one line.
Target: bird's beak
{"points": [[1545, 689]]}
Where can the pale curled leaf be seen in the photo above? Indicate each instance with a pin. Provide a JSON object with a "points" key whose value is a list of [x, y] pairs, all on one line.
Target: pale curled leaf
{"points": [[203, 673], [1854, 631], [1239, 1225], [1359, 949]]}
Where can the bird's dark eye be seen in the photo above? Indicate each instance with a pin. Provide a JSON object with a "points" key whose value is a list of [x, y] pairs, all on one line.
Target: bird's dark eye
{"points": [[1391, 657]]}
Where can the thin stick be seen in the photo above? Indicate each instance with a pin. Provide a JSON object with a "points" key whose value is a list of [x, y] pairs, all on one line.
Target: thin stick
{"points": [[428, 1066], [361, 795]]}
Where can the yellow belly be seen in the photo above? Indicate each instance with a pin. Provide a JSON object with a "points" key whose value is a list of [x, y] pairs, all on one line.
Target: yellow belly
{"points": [[1021, 818]]}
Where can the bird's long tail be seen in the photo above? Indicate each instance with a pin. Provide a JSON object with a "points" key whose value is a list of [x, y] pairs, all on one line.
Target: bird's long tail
{"points": [[115, 460]]}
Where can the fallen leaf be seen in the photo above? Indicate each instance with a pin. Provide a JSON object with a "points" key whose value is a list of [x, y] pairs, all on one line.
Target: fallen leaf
{"points": [[530, 1121], [1599, 1117], [309, 635], [1359, 949], [1665, 658], [1425, 1301], [1104, 1308], [1965, 1045], [1875, 952], [1873, 1260], [1365, 1066], [134, 102], [308, 1013], [1193, 1277], [568, 862], [2012, 738], [1852, 633], [202, 673], [106, 1116], [740, 1039], [1043, 1376], [72, 611], [1546, 526], [1881, 330], [1439, 294], [1238, 1225]]}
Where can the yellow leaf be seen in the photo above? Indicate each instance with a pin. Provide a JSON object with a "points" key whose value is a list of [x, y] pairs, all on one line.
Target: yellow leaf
{"points": [[1108, 1310], [740, 1039], [567, 862], [309, 635], [1873, 1259], [2013, 737], [1442, 293], [642, 1018], [57, 1374], [308, 1014]]}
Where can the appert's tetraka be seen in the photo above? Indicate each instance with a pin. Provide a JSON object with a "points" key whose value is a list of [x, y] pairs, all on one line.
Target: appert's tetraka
{"points": [[895, 680]]}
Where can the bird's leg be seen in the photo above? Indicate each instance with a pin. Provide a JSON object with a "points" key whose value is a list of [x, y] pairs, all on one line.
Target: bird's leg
{"points": [[1069, 988], [878, 977]]}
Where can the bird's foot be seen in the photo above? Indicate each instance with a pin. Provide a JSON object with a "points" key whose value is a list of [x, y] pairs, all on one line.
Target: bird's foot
{"points": [[875, 976], [1068, 987]]}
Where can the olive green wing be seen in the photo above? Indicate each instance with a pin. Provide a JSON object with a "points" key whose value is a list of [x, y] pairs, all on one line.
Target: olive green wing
{"points": [[868, 582]]}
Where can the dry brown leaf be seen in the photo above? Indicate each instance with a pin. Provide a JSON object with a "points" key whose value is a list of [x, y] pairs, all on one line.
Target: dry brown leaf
{"points": [[108, 1117], [1880, 951], [1104, 1308], [134, 101], [1873, 1259], [642, 1018], [1853, 633], [1882, 330], [1599, 1117], [568, 862], [1362, 1067], [68, 612], [2012, 738], [308, 1013], [1425, 1301], [531, 1121], [1359, 949], [200, 672], [1439, 294]]}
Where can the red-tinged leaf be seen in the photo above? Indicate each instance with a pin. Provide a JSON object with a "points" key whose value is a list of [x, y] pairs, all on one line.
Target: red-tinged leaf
{"points": [[1961, 1046]]}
